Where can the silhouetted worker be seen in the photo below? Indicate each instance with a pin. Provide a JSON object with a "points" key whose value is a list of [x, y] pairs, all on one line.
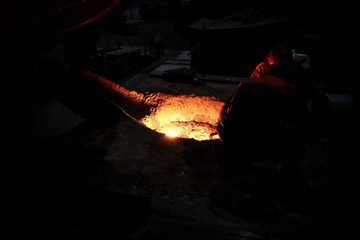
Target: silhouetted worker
{"points": [[262, 120]]}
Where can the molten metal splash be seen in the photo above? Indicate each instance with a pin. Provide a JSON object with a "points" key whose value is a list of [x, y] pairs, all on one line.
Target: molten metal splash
{"points": [[185, 116]]}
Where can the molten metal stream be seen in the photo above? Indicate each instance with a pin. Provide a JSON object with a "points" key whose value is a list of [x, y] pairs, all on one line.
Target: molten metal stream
{"points": [[184, 116]]}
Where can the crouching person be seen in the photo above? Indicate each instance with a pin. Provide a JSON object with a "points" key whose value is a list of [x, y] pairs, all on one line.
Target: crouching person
{"points": [[262, 121]]}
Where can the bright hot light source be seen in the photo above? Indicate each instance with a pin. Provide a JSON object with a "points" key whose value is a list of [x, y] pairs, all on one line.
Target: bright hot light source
{"points": [[185, 116], [171, 133]]}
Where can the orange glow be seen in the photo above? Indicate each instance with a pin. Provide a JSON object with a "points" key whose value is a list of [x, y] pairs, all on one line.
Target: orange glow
{"points": [[185, 116]]}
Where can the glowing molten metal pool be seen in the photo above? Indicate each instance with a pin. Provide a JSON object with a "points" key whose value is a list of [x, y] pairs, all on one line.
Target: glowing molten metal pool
{"points": [[185, 116]]}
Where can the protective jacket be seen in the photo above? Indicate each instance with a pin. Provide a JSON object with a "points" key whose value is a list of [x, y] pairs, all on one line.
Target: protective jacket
{"points": [[261, 104]]}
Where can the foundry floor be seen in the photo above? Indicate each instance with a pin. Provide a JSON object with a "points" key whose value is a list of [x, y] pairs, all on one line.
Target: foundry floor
{"points": [[105, 150]]}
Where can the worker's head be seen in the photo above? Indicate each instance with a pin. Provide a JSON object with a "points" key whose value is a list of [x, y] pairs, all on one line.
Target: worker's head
{"points": [[281, 63], [279, 54]]}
